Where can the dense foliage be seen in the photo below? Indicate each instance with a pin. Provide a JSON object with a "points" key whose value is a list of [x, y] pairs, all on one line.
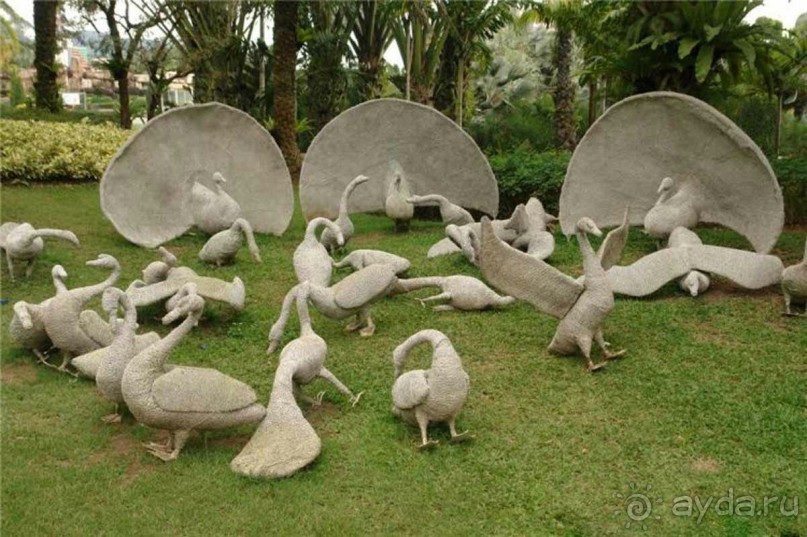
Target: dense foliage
{"points": [[46, 151], [523, 174]]}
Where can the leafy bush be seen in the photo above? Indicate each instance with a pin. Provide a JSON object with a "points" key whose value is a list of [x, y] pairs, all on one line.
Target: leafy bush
{"points": [[756, 115], [522, 174], [794, 137], [46, 151], [65, 116], [527, 126], [792, 175]]}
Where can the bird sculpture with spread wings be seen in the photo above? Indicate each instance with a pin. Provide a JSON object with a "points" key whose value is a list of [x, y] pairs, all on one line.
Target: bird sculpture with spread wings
{"points": [[581, 306]]}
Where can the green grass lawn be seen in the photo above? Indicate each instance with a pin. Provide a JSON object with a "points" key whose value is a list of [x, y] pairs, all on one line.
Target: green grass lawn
{"points": [[710, 399]]}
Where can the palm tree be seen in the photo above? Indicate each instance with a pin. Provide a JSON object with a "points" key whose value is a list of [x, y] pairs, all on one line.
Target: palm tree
{"points": [[283, 81], [563, 15], [372, 34], [46, 44], [420, 33]]}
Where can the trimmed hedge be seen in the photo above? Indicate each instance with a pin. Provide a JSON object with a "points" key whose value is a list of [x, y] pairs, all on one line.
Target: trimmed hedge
{"points": [[49, 151], [522, 174]]}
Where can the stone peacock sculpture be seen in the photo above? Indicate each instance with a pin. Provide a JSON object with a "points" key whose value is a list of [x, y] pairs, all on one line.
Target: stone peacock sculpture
{"points": [[794, 284], [21, 242], [396, 204], [64, 321], [678, 205], [437, 394], [328, 239], [222, 247], [184, 399], [464, 293], [581, 307], [354, 295], [311, 260], [212, 210], [285, 442], [358, 259]]}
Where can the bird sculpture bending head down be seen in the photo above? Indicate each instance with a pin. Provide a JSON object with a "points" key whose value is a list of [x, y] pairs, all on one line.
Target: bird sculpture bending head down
{"points": [[328, 238], [437, 394]]}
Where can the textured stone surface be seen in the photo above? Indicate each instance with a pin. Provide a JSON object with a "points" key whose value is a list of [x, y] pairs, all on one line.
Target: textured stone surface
{"points": [[21, 242], [284, 441], [624, 156], [459, 240], [581, 307], [184, 399], [358, 259], [160, 163], [354, 295], [222, 247], [694, 282], [212, 210], [63, 314], [232, 293], [311, 259], [328, 238], [464, 293], [450, 213], [437, 394], [794, 284], [747, 269], [530, 225], [87, 365], [434, 154]]}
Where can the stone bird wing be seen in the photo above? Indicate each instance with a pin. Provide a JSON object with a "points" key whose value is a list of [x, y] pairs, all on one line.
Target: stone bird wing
{"points": [[410, 389], [364, 286], [647, 275], [526, 277], [197, 389], [611, 248]]}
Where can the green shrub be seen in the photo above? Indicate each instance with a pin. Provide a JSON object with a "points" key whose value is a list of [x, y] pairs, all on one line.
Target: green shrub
{"points": [[527, 126], [794, 137], [522, 174], [65, 116], [792, 175], [46, 151]]}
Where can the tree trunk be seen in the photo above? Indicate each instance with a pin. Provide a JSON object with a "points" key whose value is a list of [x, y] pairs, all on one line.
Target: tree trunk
{"points": [[592, 102], [123, 100], [563, 92], [460, 91], [283, 72], [46, 85], [778, 140]]}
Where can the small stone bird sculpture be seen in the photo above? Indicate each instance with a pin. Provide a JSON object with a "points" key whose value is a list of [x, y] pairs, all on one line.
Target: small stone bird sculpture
{"points": [[328, 239], [21, 242], [222, 247], [437, 394]]}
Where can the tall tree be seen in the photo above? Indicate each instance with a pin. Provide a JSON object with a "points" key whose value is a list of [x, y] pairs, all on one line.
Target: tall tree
{"points": [[283, 80], [125, 31], [372, 34], [164, 65], [328, 28], [469, 26], [563, 15], [46, 44], [420, 33]]}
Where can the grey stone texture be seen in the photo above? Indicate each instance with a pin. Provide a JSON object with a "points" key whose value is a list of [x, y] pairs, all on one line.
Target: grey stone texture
{"points": [[437, 394], [222, 247], [450, 213], [159, 165], [21, 242], [529, 222], [396, 202], [311, 259], [694, 282], [746, 269], [328, 239], [285, 442], [358, 259], [460, 238], [157, 271], [231, 293], [581, 307], [464, 293], [718, 173], [184, 399], [354, 295], [794, 284], [212, 210], [63, 314], [434, 155]]}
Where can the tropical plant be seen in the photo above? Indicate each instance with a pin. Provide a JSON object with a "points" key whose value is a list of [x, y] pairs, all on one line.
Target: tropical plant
{"points": [[372, 34], [326, 31], [283, 80], [469, 25], [46, 86]]}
